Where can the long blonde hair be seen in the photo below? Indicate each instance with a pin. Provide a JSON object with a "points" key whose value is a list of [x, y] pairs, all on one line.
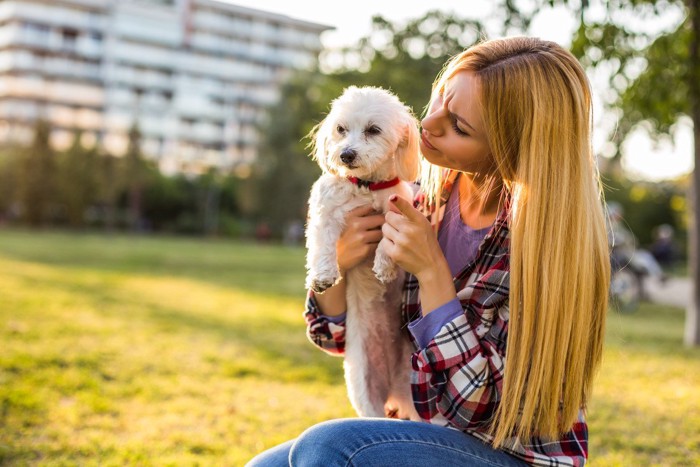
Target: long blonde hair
{"points": [[536, 106]]}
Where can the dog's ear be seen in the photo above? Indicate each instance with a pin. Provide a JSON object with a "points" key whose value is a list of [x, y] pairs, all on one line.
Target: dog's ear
{"points": [[407, 159], [319, 144]]}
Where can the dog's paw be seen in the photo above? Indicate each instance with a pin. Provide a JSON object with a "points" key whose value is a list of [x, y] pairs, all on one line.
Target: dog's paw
{"points": [[320, 286]]}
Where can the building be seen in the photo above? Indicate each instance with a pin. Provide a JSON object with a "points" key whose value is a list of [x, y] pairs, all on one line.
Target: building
{"points": [[196, 74]]}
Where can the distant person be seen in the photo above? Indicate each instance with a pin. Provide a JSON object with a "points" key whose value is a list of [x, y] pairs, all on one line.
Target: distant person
{"points": [[263, 233], [626, 254], [294, 233], [663, 248], [508, 274]]}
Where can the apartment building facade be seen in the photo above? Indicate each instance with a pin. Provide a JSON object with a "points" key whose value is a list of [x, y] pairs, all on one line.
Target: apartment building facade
{"points": [[197, 75]]}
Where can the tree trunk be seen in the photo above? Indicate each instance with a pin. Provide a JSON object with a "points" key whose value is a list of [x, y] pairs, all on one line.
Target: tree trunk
{"points": [[692, 321]]}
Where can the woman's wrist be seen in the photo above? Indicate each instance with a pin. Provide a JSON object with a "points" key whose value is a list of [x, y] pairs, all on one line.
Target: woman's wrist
{"points": [[436, 286], [332, 302]]}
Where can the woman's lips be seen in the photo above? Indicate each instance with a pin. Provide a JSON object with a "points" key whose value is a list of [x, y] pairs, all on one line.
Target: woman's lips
{"points": [[425, 141]]}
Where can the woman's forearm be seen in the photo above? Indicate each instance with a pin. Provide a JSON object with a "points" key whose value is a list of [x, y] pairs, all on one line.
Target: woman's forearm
{"points": [[436, 287], [332, 302]]}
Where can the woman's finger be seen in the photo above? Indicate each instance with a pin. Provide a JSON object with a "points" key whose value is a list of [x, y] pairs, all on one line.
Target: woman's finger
{"points": [[360, 211], [394, 219], [389, 232], [373, 236], [374, 221], [388, 247], [406, 208]]}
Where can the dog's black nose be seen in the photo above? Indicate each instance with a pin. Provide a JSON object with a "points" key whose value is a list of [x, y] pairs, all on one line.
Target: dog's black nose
{"points": [[348, 155]]}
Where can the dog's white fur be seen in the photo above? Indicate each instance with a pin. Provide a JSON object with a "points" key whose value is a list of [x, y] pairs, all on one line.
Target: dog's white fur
{"points": [[383, 133]]}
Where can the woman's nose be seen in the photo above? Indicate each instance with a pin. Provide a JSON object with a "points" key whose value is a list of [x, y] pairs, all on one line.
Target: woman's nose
{"points": [[431, 123]]}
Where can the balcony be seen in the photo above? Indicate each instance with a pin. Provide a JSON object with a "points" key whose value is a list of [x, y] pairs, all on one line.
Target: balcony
{"points": [[57, 16], [150, 30], [146, 55]]}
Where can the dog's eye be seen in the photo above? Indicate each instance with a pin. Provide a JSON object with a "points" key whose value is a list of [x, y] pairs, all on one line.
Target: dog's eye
{"points": [[373, 130], [340, 129]]}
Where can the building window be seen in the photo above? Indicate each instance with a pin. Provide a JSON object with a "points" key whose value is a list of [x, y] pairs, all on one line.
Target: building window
{"points": [[39, 29], [70, 37]]}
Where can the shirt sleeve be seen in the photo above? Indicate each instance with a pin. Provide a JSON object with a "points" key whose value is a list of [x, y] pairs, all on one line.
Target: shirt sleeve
{"points": [[326, 332], [424, 329], [458, 375]]}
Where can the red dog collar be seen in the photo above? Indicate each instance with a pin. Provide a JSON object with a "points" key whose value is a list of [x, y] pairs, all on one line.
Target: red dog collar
{"points": [[375, 186]]}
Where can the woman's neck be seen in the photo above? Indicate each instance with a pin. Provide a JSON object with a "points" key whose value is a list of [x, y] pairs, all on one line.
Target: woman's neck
{"points": [[479, 199]]}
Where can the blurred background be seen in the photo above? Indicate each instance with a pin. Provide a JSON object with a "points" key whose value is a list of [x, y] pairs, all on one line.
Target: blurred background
{"points": [[154, 175], [190, 117]]}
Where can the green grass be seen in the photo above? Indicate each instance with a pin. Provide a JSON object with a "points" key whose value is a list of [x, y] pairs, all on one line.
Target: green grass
{"points": [[166, 351]]}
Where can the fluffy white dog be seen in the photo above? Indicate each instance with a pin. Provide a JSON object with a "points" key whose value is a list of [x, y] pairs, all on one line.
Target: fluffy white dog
{"points": [[367, 147]]}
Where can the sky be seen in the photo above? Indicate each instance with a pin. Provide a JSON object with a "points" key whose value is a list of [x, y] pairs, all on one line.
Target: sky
{"points": [[642, 158]]}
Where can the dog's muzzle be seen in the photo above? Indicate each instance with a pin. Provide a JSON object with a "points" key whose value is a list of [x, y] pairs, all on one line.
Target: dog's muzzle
{"points": [[348, 156]]}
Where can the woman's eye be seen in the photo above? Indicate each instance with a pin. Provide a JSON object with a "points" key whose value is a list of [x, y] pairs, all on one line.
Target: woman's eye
{"points": [[373, 130], [340, 129], [457, 129]]}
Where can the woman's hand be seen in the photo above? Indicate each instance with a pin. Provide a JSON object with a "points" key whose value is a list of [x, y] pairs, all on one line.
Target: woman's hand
{"points": [[360, 238], [410, 242]]}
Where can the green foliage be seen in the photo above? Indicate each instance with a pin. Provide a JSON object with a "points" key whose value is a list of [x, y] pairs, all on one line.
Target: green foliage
{"points": [[648, 72], [10, 159], [406, 59], [76, 180], [36, 184], [135, 171], [647, 205], [86, 188], [661, 105], [284, 174], [109, 189]]}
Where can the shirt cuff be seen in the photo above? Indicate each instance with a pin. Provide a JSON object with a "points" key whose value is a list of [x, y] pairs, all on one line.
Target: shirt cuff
{"points": [[336, 319], [426, 328]]}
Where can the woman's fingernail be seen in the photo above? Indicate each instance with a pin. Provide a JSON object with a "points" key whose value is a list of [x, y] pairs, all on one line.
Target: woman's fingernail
{"points": [[393, 198]]}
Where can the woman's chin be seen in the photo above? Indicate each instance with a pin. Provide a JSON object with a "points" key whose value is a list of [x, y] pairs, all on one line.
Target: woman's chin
{"points": [[432, 156]]}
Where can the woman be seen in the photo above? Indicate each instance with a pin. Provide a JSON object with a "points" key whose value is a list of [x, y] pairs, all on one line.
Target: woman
{"points": [[519, 262]]}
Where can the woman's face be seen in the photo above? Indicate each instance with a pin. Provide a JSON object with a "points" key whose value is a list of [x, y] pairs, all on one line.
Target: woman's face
{"points": [[453, 132]]}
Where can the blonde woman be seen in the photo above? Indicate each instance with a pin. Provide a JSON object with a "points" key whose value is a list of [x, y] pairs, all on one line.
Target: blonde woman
{"points": [[508, 267]]}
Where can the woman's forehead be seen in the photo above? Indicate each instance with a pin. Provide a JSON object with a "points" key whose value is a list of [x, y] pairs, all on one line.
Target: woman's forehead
{"points": [[461, 95], [462, 84]]}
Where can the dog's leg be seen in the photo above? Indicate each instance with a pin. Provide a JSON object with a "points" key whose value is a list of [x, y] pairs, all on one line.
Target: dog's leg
{"points": [[322, 261], [325, 225]]}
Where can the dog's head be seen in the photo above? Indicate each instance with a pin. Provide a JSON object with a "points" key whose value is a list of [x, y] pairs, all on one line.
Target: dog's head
{"points": [[368, 134]]}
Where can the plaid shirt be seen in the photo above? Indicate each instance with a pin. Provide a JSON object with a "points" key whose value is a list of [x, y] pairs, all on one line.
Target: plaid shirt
{"points": [[457, 378]]}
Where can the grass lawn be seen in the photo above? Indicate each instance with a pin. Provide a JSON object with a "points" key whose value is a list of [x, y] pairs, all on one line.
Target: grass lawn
{"points": [[166, 351]]}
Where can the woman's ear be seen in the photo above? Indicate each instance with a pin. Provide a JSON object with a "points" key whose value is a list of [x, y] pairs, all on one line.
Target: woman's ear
{"points": [[407, 159]]}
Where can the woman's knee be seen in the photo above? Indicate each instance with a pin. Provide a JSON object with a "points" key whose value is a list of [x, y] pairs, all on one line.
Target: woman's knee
{"points": [[323, 444]]}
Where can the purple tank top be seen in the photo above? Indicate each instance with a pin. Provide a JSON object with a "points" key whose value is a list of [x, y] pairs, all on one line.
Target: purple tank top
{"points": [[458, 241]]}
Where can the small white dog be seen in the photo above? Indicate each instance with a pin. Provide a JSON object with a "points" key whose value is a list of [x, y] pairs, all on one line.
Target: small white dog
{"points": [[367, 147]]}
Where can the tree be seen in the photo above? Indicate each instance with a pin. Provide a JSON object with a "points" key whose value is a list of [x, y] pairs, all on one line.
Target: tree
{"points": [[109, 186], [10, 160], [135, 172], [657, 77], [36, 178], [284, 173], [404, 59], [76, 180]]}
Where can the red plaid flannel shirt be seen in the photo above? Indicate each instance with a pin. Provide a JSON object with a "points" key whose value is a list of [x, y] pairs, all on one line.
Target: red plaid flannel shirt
{"points": [[457, 378]]}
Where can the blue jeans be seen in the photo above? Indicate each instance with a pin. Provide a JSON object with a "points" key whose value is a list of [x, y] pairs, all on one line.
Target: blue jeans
{"points": [[382, 442]]}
